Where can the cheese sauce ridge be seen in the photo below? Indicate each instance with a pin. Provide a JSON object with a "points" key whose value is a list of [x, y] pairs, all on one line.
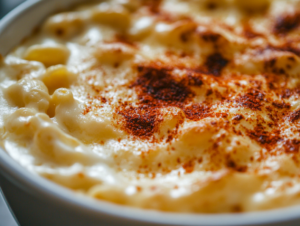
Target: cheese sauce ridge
{"points": [[182, 106]]}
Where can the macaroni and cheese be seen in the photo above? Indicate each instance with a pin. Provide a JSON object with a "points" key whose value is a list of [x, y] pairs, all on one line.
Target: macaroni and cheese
{"points": [[172, 105]]}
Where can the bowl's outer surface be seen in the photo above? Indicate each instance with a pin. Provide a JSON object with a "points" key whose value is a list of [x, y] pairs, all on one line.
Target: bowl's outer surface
{"points": [[38, 202]]}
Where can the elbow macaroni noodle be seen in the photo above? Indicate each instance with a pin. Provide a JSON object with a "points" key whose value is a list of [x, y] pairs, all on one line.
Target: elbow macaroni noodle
{"points": [[184, 106]]}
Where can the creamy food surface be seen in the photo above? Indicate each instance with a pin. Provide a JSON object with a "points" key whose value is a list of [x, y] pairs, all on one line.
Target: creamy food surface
{"points": [[184, 106]]}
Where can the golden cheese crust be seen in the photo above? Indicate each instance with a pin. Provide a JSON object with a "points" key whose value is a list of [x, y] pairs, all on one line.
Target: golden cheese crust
{"points": [[183, 106]]}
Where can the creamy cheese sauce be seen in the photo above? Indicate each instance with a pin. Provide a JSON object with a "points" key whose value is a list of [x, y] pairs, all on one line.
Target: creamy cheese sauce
{"points": [[184, 106]]}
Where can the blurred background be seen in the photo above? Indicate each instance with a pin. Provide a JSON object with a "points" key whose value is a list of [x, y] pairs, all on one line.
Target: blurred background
{"points": [[6, 218], [7, 5]]}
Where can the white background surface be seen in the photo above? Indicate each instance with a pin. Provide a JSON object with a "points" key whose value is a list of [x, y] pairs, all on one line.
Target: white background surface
{"points": [[6, 218]]}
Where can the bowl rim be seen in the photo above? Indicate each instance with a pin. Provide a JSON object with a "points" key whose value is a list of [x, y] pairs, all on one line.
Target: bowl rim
{"points": [[44, 189]]}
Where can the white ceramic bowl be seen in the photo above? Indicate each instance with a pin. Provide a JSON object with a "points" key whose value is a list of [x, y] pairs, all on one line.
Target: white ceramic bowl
{"points": [[36, 201]]}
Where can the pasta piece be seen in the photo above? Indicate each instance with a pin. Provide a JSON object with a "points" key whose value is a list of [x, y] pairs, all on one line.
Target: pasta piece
{"points": [[210, 38], [198, 139], [19, 122], [20, 68], [68, 113], [141, 28], [287, 165], [49, 55], [64, 25], [113, 54], [109, 193], [58, 77], [25, 121], [173, 117], [241, 154], [176, 34], [60, 147], [29, 93], [61, 95], [268, 60], [116, 16]]}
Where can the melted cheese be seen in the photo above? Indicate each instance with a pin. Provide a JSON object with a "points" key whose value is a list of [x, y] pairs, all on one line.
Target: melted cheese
{"points": [[172, 105]]}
